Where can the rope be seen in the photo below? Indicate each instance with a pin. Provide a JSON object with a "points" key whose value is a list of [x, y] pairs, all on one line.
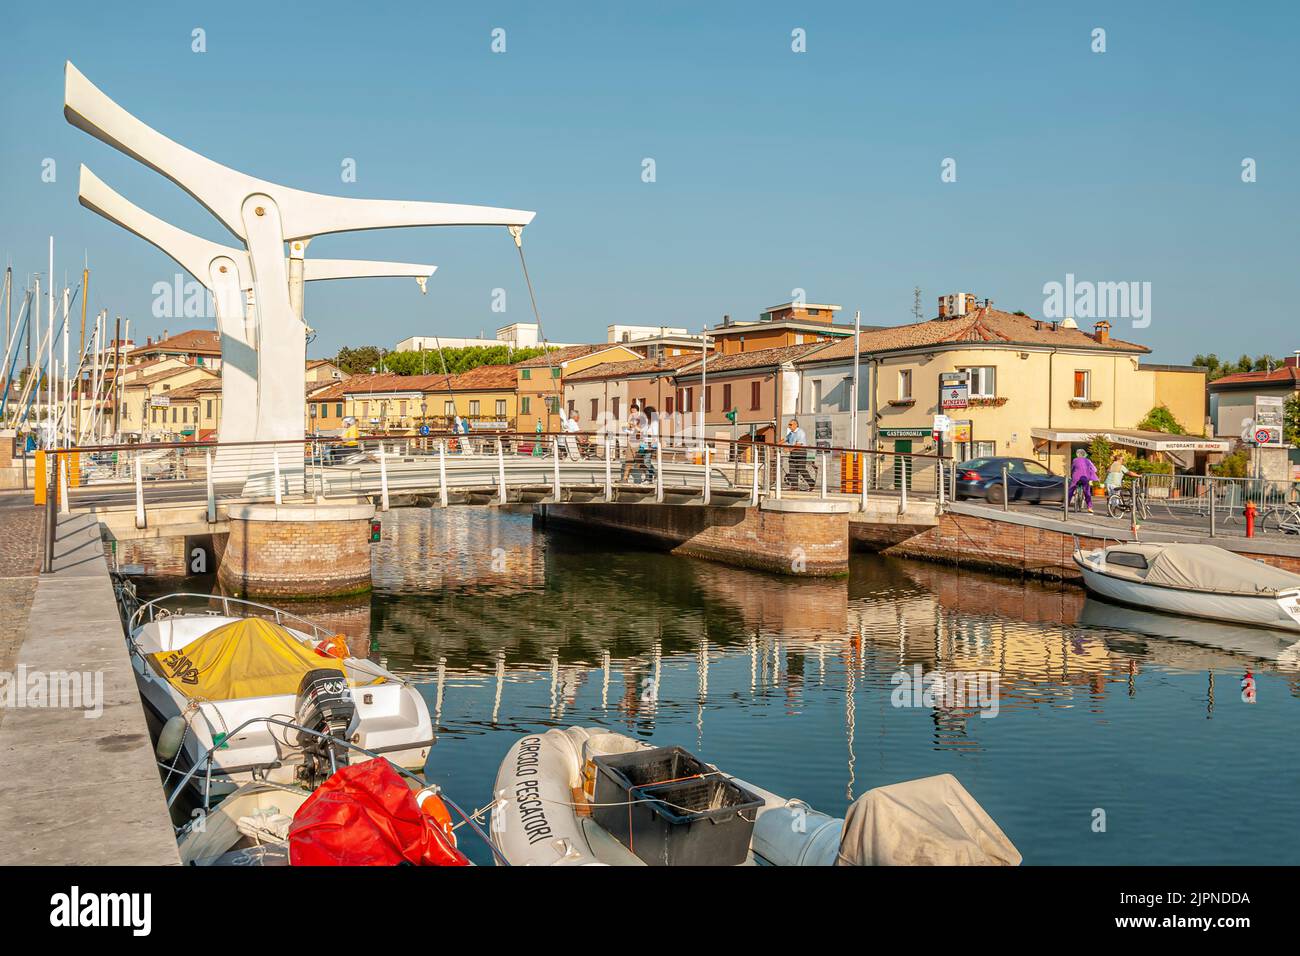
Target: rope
{"points": [[517, 233]]}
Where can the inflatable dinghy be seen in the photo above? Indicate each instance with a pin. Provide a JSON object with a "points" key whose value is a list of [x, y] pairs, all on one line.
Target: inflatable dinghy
{"points": [[553, 808]]}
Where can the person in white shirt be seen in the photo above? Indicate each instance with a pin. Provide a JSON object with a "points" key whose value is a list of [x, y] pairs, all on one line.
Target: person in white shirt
{"points": [[571, 428], [649, 440]]}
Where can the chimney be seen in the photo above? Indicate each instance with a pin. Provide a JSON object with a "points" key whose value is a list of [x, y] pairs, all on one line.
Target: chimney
{"points": [[726, 321], [943, 306], [1101, 332]]}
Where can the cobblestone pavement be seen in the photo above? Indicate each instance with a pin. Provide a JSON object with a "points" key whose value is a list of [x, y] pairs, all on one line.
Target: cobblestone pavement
{"points": [[21, 528]]}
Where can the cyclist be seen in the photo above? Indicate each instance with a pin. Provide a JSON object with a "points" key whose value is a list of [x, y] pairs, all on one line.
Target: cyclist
{"points": [[1116, 473], [1082, 474]]}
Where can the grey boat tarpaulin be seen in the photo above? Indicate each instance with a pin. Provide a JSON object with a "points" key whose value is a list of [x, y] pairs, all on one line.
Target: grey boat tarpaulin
{"points": [[1201, 567], [933, 821]]}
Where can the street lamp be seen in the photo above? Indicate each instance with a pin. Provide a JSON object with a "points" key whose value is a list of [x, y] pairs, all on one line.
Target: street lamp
{"points": [[704, 382]]}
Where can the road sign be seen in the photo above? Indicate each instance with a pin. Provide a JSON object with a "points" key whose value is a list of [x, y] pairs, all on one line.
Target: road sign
{"points": [[1269, 411], [956, 396], [1268, 435], [731, 416]]}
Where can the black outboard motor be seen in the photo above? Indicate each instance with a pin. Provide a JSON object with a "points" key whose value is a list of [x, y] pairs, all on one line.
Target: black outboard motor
{"points": [[325, 705]]}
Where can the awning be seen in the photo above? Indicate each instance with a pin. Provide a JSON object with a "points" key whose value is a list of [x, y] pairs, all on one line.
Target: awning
{"points": [[1134, 438]]}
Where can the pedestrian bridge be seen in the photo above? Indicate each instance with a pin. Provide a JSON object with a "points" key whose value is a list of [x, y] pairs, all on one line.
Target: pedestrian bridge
{"points": [[448, 471]]}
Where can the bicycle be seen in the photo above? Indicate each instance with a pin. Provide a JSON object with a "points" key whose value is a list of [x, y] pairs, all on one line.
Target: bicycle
{"points": [[1124, 499], [1284, 519]]}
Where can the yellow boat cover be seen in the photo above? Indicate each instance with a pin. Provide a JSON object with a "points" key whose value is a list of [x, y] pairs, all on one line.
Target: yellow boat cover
{"points": [[250, 657]]}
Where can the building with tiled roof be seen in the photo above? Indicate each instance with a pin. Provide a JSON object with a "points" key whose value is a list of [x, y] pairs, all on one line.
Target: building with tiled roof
{"points": [[194, 347], [402, 403], [1232, 397], [602, 395], [540, 382], [165, 405], [759, 387], [790, 323], [1020, 386]]}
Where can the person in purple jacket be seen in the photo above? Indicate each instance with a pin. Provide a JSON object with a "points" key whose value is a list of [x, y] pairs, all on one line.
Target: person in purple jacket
{"points": [[1083, 472]]}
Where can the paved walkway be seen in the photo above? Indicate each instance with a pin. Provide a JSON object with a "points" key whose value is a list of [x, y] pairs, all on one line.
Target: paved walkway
{"points": [[75, 788]]}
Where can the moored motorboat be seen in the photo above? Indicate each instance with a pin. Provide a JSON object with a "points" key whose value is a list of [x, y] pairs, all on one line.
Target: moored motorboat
{"points": [[1195, 580], [240, 685], [367, 813], [552, 808]]}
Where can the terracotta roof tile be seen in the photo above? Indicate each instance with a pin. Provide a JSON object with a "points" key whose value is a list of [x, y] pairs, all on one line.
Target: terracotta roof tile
{"points": [[668, 363], [205, 341], [980, 327], [486, 377], [560, 356], [764, 358], [1285, 375]]}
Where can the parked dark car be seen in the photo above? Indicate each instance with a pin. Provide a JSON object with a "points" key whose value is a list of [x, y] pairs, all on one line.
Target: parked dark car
{"points": [[1027, 480]]}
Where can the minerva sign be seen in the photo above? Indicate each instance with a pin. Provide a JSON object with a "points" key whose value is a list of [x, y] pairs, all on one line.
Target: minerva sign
{"points": [[954, 390]]}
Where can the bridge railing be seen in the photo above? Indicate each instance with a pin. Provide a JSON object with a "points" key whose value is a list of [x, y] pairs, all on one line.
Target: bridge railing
{"points": [[480, 467]]}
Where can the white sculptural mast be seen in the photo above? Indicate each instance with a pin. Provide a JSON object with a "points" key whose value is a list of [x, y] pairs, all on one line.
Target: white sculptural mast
{"points": [[258, 292]]}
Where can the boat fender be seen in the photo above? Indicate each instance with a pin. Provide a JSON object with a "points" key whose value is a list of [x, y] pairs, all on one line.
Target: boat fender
{"points": [[334, 646], [170, 738], [797, 835], [431, 806]]}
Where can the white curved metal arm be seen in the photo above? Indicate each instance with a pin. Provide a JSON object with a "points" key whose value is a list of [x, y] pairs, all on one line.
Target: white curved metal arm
{"points": [[195, 254], [223, 190], [318, 269]]}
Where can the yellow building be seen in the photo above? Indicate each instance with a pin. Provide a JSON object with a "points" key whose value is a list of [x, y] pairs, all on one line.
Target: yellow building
{"points": [[1034, 389], [147, 410], [540, 380], [488, 396], [389, 403]]}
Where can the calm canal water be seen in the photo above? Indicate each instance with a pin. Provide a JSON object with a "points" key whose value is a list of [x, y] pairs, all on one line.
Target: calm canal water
{"points": [[788, 683]]}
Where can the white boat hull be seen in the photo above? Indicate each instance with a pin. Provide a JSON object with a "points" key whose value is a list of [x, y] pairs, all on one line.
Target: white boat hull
{"points": [[1262, 611], [393, 719], [534, 822]]}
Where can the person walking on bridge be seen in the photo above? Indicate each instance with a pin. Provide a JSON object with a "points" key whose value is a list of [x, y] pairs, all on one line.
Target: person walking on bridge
{"points": [[1083, 473], [794, 435]]}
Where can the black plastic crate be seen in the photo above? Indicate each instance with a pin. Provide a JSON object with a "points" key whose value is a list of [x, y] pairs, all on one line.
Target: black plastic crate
{"points": [[671, 809]]}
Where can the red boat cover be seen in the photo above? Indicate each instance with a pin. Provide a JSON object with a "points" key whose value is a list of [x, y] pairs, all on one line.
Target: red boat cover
{"points": [[366, 815]]}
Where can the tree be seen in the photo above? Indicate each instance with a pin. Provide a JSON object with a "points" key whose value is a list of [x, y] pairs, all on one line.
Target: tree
{"points": [[359, 360], [1291, 420], [455, 360], [1217, 369], [1161, 419]]}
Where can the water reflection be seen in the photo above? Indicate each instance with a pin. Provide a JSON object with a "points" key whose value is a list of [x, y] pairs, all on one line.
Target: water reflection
{"points": [[792, 683]]}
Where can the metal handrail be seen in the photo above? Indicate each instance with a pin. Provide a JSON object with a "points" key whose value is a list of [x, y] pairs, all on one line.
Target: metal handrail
{"points": [[205, 761], [226, 602]]}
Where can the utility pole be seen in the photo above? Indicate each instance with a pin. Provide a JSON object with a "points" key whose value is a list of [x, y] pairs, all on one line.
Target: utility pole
{"points": [[853, 412], [49, 354], [704, 382]]}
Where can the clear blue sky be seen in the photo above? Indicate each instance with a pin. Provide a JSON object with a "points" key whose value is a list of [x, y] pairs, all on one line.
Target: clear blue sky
{"points": [[775, 170]]}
